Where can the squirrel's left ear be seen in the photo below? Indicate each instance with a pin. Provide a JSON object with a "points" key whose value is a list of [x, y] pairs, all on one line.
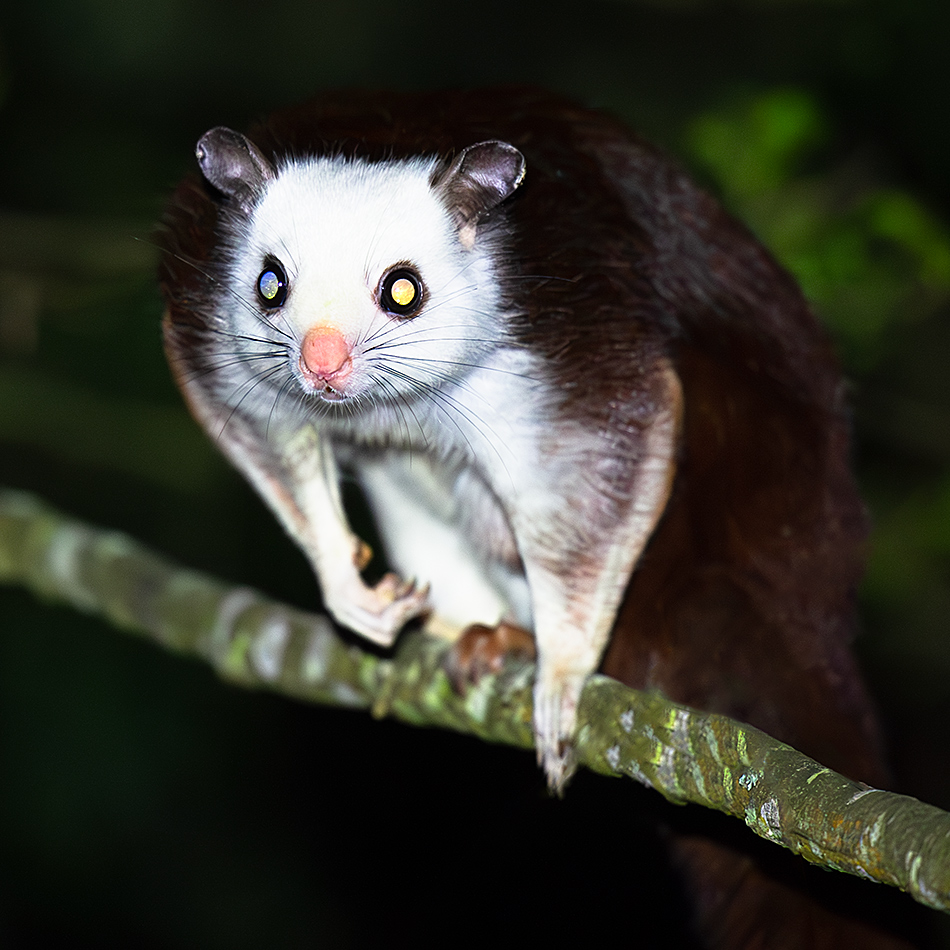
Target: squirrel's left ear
{"points": [[234, 165], [479, 179]]}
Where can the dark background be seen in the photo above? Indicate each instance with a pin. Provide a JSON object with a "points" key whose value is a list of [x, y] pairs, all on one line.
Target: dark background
{"points": [[145, 804]]}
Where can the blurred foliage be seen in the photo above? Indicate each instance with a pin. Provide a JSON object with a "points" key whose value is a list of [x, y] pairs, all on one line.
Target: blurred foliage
{"points": [[869, 256], [146, 805]]}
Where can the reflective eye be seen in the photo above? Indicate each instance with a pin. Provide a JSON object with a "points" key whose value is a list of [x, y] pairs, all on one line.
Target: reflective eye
{"points": [[272, 285], [401, 292]]}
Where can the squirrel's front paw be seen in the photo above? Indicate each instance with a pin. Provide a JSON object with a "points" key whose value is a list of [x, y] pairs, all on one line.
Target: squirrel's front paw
{"points": [[377, 613]]}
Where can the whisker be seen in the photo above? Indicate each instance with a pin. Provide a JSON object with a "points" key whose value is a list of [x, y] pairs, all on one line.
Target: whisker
{"points": [[210, 367], [514, 277], [401, 333], [447, 402], [424, 391], [245, 304], [277, 398], [383, 351], [255, 382], [399, 405], [372, 244]]}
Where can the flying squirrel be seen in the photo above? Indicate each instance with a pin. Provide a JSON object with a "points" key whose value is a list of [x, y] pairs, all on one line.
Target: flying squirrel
{"points": [[579, 397]]}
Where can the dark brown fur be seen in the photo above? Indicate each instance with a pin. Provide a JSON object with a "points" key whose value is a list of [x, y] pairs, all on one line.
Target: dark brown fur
{"points": [[743, 601]]}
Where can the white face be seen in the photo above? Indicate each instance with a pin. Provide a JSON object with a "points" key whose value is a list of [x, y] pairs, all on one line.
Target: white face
{"points": [[359, 270]]}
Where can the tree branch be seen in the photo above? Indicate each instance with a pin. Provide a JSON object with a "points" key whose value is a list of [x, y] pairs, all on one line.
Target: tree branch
{"points": [[686, 755]]}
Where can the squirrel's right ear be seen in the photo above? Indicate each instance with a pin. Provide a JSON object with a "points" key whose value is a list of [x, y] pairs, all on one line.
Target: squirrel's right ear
{"points": [[481, 177], [234, 165]]}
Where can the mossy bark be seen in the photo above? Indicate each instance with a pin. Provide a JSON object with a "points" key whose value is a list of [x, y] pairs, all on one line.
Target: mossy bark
{"points": [[686, 755]]}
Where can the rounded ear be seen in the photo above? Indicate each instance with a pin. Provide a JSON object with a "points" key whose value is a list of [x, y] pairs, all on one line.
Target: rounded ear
{"points": [[234, 165], [480, 178]]}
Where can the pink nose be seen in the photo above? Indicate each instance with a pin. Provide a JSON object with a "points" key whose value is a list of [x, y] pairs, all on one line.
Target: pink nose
{"points": [[325, 356]]}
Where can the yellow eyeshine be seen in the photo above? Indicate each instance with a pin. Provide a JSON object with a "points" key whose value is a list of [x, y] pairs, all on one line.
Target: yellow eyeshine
{"points": [[403, 292]]}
